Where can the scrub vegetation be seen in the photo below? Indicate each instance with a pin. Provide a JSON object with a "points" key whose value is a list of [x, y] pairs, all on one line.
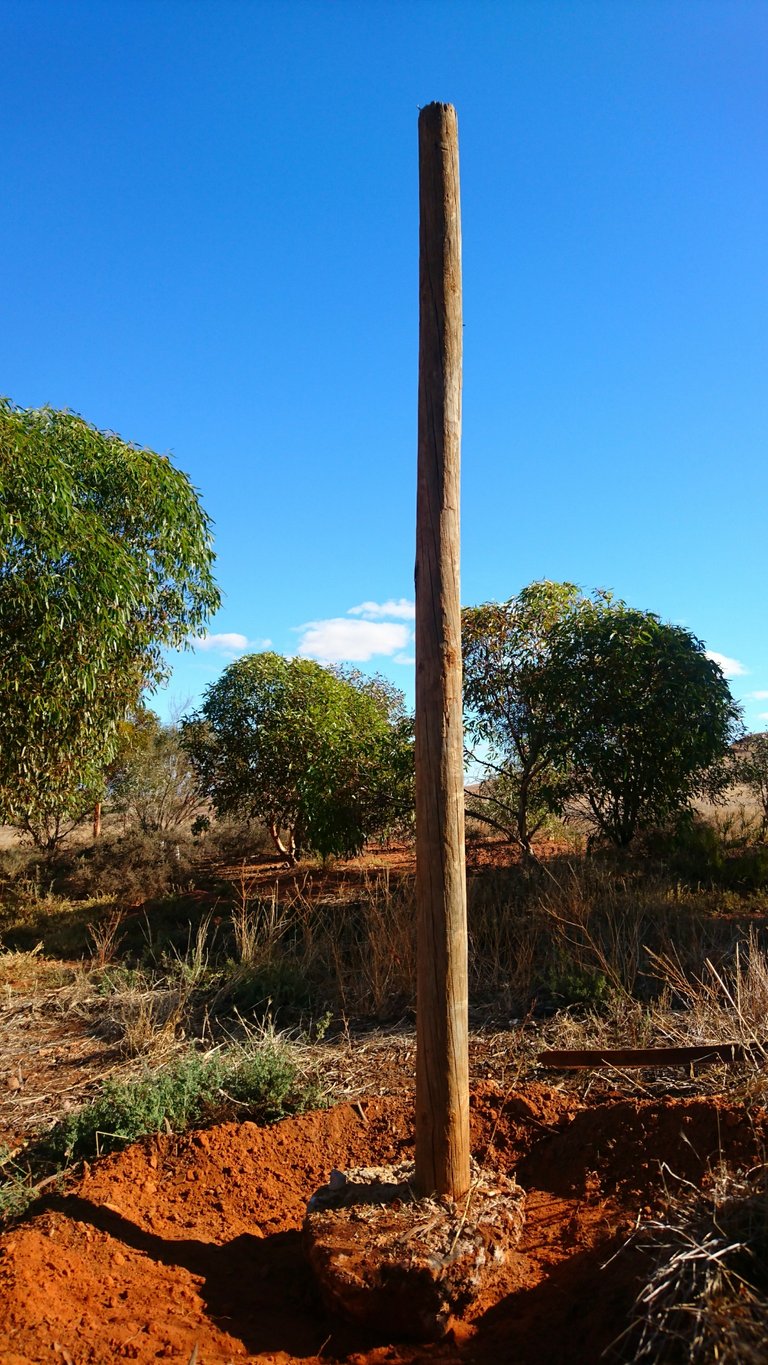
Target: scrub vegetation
{"points": [[253, 867]]}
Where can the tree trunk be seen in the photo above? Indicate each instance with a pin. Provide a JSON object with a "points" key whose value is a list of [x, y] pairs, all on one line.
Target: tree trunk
{"points": [[442, 1080], [97, 820], [289, 852]]}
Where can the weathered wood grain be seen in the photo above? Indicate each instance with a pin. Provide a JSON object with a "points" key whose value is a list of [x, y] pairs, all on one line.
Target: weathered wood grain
{"points": [[442, 1081], [577, 1059]]}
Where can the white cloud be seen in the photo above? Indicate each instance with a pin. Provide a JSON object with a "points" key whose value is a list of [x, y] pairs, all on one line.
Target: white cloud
{"points": [[401, 610], [759, 696], [232, 641], [763, 715], [407, 659], [732, 668], [339, 640], [228, 642]]}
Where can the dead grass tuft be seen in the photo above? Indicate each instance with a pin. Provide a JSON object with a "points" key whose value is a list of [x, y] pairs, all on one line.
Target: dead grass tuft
{"points": [[706, 1298]]}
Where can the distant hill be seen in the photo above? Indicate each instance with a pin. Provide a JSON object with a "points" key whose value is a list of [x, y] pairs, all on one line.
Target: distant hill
{"points": [[743, 746]]}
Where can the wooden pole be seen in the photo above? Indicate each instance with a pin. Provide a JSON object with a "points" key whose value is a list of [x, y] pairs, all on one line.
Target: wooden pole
{"points": [[442, 1072]]}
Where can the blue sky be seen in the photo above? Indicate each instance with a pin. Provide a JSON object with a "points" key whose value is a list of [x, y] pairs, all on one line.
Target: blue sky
{"points": [[208, 240]]}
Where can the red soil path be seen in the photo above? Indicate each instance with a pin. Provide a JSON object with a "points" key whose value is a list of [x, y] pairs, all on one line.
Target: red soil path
{"points": [[189, 1248]]}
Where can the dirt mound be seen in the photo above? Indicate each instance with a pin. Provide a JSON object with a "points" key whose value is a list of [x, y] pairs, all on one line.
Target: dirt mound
{"points": [[190, 1248], [635, 1148]]}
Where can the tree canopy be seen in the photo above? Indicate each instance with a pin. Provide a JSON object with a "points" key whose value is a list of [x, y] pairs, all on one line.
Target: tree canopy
{"points": [[151, 776], [105, 560], [749, 768], [570, 697], [324, 760], [645, 716], [512, 692]]}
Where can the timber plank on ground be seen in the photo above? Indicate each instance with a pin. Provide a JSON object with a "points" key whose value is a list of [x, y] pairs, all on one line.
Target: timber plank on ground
{"points": [[574, 1059]]}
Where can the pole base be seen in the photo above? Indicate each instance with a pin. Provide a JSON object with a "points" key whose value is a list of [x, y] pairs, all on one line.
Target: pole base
{"points": [[405, 1266]]}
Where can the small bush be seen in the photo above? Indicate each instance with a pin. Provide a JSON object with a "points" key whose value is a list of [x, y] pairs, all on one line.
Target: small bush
{"points": [[264, 990], [691, 849], [746, 871], [26, 876], [721, 853], [570, 984], [17, 1189], [232, 841], [133, 868], [262, 1083]]}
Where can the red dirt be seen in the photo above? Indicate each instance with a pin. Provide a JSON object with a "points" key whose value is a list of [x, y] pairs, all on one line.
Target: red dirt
{"points": [[190, 1248], [349, 876]]}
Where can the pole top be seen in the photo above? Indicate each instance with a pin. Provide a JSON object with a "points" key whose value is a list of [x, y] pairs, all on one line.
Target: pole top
{"points": [[436, 110]]}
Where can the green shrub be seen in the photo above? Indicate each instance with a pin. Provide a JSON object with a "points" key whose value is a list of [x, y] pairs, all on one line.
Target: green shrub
{"points": [[235, 841], [264, 1082], [747, 870], [691, 849], [568, 983], [265, 989], [16, 1187], [263, 1085], [725, 854], [133, 868]]}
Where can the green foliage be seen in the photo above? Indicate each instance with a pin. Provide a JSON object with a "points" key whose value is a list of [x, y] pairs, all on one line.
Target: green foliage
{"points": [[152, 777], [258, 1082], [702, 853], [747, 871], [265, 989], [568, 983], [512, 689], [691, 848], [750, 769], [644, 714], [17, 1187], [46, 809], [132, 868], [325, 758], [105, 560], [262, 1083], [568, 696]]}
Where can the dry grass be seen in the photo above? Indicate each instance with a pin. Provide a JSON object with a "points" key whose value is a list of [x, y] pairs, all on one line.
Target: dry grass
{"points": [[729, 999], [149, 1023], [32, 971], [724, 1004], [372, 947], [706, 1298], [259, 923], [577, 953], [105, 938]]}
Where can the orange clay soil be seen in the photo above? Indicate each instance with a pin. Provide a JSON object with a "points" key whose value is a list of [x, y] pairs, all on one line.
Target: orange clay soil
{"points": [[349, 876], [189, 1248]]}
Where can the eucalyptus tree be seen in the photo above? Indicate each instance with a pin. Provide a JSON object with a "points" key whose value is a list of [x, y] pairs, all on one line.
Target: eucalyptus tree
{"points": [[152, 779], [105, 561], [750, 768], [513, 686], [575, 701], [323, 760], [645, 716]]}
